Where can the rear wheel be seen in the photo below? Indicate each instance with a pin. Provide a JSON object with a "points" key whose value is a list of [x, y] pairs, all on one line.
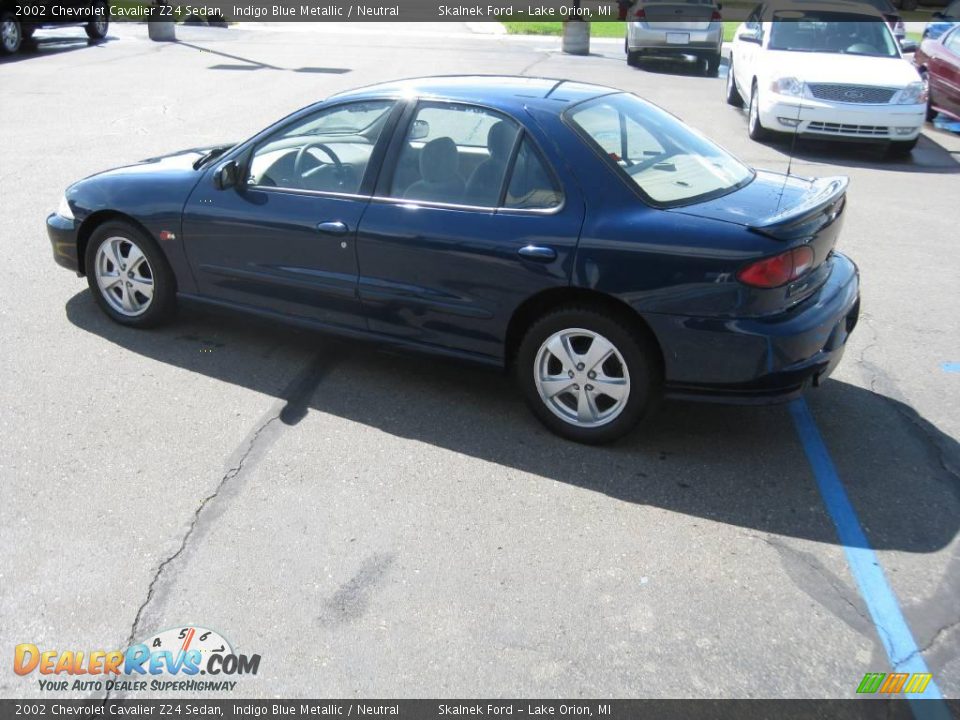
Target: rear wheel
{"points": [[129, 276], [633, 58], [587, 376], [755, 128], [732, 94], [713, 65], [11, 35], [97, 29]]}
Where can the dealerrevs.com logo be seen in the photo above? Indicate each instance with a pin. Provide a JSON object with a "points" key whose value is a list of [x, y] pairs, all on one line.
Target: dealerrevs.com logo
{"points": [[173, 660]]}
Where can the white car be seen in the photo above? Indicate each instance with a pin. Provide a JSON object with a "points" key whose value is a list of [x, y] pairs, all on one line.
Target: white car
{"points": [[825, 71]]}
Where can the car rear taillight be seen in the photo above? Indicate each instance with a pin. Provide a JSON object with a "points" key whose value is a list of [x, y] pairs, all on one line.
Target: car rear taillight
{"points": [[641, 14], [716, 16], [777, 270]]}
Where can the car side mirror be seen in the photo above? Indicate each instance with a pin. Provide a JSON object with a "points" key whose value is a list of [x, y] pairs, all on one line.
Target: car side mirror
{"points": [[909, 46], [750, 36], [227, 175], [938, 15], [420, 130]]}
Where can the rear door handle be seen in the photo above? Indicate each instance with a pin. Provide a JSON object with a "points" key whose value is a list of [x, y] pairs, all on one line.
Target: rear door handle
{"points": [[538, 252], [333, 227]]}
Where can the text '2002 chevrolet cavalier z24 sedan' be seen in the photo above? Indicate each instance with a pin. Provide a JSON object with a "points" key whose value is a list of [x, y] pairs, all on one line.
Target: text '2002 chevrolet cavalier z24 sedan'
{"points": [[597, 246]]}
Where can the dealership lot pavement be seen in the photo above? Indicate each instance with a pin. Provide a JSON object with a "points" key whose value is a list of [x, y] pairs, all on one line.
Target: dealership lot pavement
{"points": [[375, 525]]}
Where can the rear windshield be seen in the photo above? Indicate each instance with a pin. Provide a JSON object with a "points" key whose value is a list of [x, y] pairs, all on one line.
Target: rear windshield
{"points": [[669, 162]]}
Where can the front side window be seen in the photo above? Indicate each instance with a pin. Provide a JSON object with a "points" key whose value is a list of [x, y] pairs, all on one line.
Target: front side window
{"points": [[669, 162], [326, 152], [831, 32], [455, 154]]}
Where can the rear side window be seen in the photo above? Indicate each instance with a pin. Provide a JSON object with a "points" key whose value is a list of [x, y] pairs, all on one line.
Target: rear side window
{"points": [[670, 163], [532, 185]]}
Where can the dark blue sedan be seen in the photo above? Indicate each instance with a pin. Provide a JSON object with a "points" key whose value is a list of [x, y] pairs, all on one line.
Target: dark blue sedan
{"points": [[576, 234]]}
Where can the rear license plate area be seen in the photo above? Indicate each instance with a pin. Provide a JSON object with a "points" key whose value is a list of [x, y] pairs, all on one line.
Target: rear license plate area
{"points": [[674, 38]]}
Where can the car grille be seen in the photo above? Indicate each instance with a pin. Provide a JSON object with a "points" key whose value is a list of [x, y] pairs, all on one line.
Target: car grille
{"points": [[838, 128], [865, 94]]}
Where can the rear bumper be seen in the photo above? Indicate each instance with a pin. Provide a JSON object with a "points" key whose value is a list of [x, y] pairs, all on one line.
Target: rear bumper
{"points": [[761, 360], [63, 240], [841, 121], [646, 37]]}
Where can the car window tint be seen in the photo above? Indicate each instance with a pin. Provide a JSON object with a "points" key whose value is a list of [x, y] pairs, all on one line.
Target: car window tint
{"points": [[328, 151], [953, 42], [531, 184], [456, 154], [621, 137]]}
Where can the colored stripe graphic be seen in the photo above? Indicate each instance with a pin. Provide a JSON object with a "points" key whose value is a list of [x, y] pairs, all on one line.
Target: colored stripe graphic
{"points": [[891, 626]]}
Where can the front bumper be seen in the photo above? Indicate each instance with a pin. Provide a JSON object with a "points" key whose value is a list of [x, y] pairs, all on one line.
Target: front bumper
{"points": [[761, 360], [841, 120], [647, 38], [63, 239]]}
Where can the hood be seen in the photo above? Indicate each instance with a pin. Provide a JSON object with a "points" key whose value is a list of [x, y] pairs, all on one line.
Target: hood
{"points": [[177, 162], [814, 67]]}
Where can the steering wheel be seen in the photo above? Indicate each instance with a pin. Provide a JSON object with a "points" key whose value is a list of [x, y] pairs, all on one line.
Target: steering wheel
{"points": [[302, 152]]}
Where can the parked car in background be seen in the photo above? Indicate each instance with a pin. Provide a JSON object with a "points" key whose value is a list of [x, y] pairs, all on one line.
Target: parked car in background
{"points": [[605, 252], [828, 71], [93, 15], [943, 21], [938, 61], [673, 28]]}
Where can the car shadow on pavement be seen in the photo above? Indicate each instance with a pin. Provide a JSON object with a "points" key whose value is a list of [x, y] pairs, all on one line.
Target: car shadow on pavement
{"points": [[52, 45], [927, 157], [742, 466]]}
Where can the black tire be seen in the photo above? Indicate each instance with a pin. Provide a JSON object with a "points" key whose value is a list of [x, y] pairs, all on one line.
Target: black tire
{"points": [[755, 128], [901, 148], [97, 29], [930, 114], [732, 95], [633, 58], [640, 358], [713, 65], [11, 34], [163, 305]]}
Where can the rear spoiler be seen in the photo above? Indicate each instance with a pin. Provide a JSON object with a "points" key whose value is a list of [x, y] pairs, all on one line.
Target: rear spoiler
{"points": [[819, 207]]}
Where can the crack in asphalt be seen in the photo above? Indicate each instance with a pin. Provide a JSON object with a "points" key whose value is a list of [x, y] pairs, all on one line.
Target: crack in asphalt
{"points": [[933, 641], [289, 409]]}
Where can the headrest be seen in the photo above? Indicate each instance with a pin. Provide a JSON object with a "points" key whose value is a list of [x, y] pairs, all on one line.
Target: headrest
{"points": [[500, 140], [439, 161]]}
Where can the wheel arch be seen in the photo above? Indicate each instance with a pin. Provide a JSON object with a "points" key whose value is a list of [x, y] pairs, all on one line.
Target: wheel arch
{"points": [[95, 220], [536, 306]]}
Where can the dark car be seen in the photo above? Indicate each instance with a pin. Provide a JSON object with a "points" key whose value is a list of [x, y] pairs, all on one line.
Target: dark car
{"points": [[939, 64], [585, 238], [18, 20]]}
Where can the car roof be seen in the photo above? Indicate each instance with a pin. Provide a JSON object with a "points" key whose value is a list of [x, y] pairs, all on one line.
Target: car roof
{"points": [[504, 91], [836, 6]]}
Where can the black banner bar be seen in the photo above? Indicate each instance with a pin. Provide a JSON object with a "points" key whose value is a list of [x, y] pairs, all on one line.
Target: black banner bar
{"points": [[873, 708]]}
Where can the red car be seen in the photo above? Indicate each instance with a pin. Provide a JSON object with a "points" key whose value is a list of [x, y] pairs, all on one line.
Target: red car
{"points": [[939, 64]]}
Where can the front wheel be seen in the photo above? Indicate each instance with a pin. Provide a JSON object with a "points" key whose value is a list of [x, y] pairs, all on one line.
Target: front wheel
{"points": [[11, 34], [755, 128], [97, 29], [587, 376], [901, 148], [129, 276]]}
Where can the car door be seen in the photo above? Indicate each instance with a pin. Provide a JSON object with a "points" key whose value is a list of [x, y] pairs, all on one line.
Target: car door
{"points": [[283, 237], [469, 219], [745, 52], [946, 69]]}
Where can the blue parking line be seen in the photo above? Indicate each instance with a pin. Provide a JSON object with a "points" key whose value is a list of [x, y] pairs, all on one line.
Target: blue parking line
{"points": [[876, 592], [951, 367]]}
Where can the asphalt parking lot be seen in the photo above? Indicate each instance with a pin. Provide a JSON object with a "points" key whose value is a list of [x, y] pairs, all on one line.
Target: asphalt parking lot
{"points": [[377, 525]]}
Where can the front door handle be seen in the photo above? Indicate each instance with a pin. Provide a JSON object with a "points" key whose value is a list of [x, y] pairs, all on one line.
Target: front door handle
{"points": [[333, 227], [538, 252]]}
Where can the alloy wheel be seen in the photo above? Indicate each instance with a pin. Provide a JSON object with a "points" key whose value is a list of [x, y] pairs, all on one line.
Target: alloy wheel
{"points": [[10, 35], [124, 276], [582, 377]]}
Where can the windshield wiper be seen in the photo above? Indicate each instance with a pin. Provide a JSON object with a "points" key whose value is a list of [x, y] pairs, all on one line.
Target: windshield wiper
{"points": [[211, 155]]}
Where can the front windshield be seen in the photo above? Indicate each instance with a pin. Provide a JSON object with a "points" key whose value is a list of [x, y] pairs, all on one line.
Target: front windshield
{"points": [[671, 163], [830, 32]]}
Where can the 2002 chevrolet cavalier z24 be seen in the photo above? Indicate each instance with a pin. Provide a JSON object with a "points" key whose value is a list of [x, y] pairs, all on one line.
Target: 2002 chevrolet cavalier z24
{"points": [[594, 244]]}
